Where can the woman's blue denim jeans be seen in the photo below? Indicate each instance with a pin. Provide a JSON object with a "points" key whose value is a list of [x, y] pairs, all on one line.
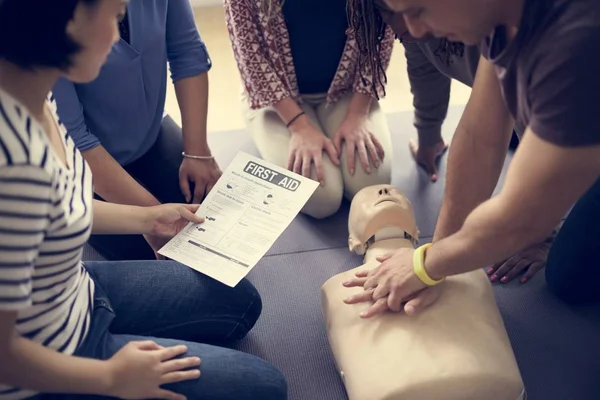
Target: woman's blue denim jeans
{"points": [[172, 304]]}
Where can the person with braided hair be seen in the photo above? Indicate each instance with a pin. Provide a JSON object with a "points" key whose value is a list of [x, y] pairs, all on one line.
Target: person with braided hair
{"points": [[309, 107], [432, 64]]}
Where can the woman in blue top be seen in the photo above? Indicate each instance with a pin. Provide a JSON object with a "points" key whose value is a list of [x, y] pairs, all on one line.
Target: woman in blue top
{"points": [[112, 329], [118, 123]]}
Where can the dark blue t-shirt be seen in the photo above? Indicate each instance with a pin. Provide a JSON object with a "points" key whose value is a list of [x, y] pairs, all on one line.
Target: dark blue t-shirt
{"points": [[317, 30]]}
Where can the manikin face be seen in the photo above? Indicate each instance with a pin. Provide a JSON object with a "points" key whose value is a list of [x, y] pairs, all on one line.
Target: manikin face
{"points": [[95, 29], [377, 207], [467, 21]]}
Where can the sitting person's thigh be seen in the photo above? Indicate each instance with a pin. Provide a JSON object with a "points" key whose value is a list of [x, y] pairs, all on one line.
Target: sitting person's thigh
{"points": [[168, 299], [331, 117], [572, 272]]}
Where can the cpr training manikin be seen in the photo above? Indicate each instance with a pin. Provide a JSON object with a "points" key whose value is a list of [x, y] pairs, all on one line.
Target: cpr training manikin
{"points": [[455, 349]]}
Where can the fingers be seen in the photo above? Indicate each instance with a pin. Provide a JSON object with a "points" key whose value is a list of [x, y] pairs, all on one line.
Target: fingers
{"points": [[333, 152], [535, 267], [179, 364], [318, 160], [382, 289], [179, 376], [172, 352], [428, 165], [394, 301], [423, 300], [297, 167], [362, 274], [359, 281], [168, 395], [350, 161], [199, 190], [379, 307], [184, 184], [504, 268], [363, 156], [291, 162], [360, 297], [516, 270], [378, 147], [373, 153]]}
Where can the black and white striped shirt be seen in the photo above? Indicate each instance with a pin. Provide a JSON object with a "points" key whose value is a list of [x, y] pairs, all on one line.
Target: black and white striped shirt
{"points": [[45, 219]]}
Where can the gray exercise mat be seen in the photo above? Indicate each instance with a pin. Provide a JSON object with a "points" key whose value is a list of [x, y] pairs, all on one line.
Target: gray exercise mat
{"points": [[556, 346]]}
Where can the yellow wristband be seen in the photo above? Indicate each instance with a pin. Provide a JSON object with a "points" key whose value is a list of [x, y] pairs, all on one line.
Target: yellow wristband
{"points": [[419, 266]]}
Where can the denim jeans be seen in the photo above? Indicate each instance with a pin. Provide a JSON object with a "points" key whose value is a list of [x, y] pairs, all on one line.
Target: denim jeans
{"points": [[171, 304], [572, 269]]}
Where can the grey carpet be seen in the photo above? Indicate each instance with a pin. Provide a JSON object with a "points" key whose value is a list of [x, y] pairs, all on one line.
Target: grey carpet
{"points": [[557, 346]]}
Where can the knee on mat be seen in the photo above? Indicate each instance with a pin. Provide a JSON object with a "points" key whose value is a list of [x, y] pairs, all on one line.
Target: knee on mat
{"points": [[325, 201], [250, 316], [566, 286], [270, 384]]}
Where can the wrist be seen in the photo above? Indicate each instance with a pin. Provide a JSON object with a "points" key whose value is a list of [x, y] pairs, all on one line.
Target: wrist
{"points": [[360, 106], [199, 148], [145, 220], [107, 379], [299, 124], [430, 263]]}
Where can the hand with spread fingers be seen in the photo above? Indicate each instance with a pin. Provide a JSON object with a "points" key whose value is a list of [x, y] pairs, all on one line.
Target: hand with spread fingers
{"points": [[356, 133], [393, 285], [529, 261]]}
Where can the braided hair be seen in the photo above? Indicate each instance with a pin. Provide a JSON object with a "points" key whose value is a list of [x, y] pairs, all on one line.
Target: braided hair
{"points": [[367, 25]]}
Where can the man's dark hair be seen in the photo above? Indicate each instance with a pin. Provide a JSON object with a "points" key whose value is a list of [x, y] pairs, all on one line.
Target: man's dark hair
{"points": [[33, 32], [367, 25]]}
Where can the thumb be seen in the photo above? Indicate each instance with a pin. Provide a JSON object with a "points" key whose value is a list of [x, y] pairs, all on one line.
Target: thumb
{"points": [[423, 300], [184, 184], [432, 170], [187, 214], [384, 257]]}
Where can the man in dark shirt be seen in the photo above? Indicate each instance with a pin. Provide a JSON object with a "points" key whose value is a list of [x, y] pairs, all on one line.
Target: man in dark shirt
{"points": [[545, 56]]}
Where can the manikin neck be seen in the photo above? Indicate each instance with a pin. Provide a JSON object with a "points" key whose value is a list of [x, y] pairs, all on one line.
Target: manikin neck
{"points": [[385, 241]]}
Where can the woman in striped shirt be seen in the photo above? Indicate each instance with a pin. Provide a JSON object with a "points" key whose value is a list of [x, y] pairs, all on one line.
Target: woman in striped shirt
{"points": [[125, 330]]}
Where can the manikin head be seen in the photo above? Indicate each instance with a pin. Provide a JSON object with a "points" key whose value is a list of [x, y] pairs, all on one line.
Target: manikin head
{"points": [[376, 208], [467, 21]]}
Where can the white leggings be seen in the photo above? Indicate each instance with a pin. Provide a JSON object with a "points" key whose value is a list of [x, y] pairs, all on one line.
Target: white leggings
{"points": [[272, 139]]}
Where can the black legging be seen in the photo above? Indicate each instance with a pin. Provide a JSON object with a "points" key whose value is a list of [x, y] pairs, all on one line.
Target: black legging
{"points": [[573, 267]]}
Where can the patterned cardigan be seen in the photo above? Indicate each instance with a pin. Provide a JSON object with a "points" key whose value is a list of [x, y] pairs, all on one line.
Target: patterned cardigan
{"points": [[261, 47]]}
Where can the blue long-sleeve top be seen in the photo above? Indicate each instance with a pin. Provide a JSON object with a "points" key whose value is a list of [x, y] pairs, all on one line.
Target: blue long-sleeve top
{"points": [[123, 108]]}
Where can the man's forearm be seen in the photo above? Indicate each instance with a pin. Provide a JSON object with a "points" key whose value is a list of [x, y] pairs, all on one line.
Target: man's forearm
{"points": [[113, 183], [31, 366], [477, 151], [490, 234], [120, 219], [192, 96], [472, 174]]}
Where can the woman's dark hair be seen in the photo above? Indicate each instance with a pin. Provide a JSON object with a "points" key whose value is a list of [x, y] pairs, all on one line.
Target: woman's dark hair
{"points": [[367, 25], [33, 32]]}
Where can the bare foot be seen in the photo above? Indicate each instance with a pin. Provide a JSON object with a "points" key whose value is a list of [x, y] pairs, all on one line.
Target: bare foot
{"points": [[426, 157]]}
